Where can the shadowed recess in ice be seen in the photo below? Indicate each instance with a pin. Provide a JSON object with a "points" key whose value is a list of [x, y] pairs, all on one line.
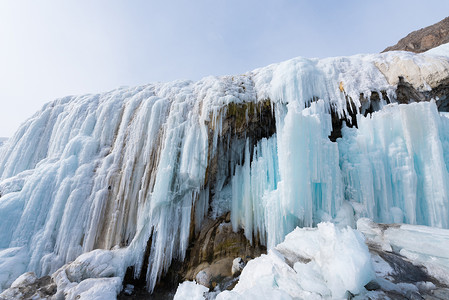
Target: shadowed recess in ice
{"points": [[119, 169]]}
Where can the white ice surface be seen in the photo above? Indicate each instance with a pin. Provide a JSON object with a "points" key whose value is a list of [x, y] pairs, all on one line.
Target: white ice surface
{"points": [[190, 290], [442, 50]]}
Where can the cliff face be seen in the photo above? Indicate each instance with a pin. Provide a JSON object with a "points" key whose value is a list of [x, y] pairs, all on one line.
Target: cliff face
{"points": [[424, 39], [127, 182]]}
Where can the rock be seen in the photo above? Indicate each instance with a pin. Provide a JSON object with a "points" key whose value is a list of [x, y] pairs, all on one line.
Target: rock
{"points": [[129, 289], [25, 279], [413, 296], [237, 266], [372, 285], [442, 293], [203, 277], [424, 39], [209, 259], [28, 286]]}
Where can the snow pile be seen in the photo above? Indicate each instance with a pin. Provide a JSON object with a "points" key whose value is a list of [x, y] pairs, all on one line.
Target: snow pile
{"points": [[190, 290], [442, 50], [323, 262], [395, 165], [119, 169], [94, 275]]}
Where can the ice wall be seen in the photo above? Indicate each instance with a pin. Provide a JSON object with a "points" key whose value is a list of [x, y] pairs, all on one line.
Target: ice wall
{"points": [[120, 169], [395, 165], [293, 180]]}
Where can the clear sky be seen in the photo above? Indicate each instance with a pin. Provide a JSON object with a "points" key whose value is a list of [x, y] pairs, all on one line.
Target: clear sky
{"points": [[54, 48]]}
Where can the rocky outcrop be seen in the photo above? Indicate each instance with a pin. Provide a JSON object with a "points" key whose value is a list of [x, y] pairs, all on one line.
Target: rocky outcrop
{"points": [[424, 39], [28, 286], [209, 261], [213, 250]]}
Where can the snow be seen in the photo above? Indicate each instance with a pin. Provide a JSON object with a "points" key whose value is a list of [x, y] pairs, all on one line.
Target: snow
{"points": [[422, 71], [442, 50], [112, 170], [94, 275], [190, 290], [312, 263]]}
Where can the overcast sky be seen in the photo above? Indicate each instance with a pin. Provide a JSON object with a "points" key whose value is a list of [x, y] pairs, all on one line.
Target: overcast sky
{"points": [[54, 48]]}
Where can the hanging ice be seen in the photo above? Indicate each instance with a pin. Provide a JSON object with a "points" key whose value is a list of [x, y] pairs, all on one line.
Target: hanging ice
{"points": [[293, 180], [133, 166]]}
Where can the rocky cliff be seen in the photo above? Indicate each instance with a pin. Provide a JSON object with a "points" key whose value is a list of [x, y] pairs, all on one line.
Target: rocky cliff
{"points": [[424, 39]]}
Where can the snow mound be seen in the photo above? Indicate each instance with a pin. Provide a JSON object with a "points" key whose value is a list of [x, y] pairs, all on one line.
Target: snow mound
{"points": [[312, 263], [190, 290], [94, 275]]}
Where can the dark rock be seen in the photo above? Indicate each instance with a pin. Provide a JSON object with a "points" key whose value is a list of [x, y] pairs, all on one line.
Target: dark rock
{"points": [[413, 296], [372, 285]]}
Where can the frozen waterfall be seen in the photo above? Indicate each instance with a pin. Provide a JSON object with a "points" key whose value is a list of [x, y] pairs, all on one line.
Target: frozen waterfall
{"points": [[136, 170]]}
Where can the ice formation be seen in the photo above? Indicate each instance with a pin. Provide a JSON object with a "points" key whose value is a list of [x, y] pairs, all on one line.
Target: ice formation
{"points": [[312, 263], [132, 166], [295, 175], [395, 165]]}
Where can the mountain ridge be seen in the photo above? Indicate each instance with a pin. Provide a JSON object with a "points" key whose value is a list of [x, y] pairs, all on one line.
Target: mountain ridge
{"points": [[424, 39]]}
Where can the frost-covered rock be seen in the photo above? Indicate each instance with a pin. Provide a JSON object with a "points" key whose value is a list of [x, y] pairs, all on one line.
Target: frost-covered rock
{"points": [[424, 246], [28, 286], [237, 266]]}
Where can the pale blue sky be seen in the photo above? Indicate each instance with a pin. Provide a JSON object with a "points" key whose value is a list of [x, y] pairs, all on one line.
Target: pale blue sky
{"points": [[53, 48]]}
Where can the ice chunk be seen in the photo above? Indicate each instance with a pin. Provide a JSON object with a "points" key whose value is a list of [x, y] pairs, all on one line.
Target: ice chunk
{"points": [[323, 262], [421, 244], [190, 290]]}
